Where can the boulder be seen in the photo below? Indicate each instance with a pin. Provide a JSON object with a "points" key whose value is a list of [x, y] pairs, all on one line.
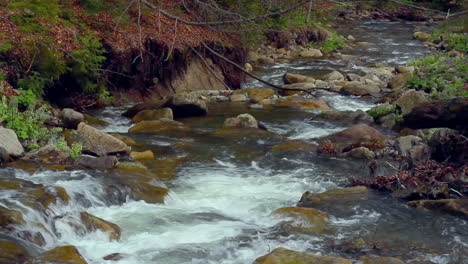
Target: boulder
{"points": [[388, 121], [404, 144], [11, 252], [380, 260], [10, 218], [9, 141], [322, 84], [403, 69], [154, 126], [91, 162], [423, 36], [98, 142], [290, 78], [259, 94], [348, 117], [238, 98], [292, 89], [352, 77], [71, 118], [286, 256], [187, 105], [360, 135], [311, 53], [127, 140], [155, 104], [359, 153], [295, 145], [316, 219], [92, 223], [300, 102], [358, 88], [383, 73], [4, 156], [153, 115], [92, 121], [409, 99], [357, 193], [458, 207], [59, 255], [400, 80], [241, 121], [333, 76], [145, 155]]}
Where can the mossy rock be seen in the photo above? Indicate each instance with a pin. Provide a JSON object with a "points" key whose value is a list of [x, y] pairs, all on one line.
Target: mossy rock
{"points": [[10, 253], [380, 260], [295, 145], [165, 169], [92, 222], [132, 167], [286, 256], [357, 193], [90, 120], [313, 217], [301, 103], [148, 192], [127, 140], [144, 155], [59, 255], [155, 126]]}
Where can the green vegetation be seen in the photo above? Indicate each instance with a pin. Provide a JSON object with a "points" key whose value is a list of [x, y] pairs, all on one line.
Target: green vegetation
{"points": [[335, 42], [381, 110]]}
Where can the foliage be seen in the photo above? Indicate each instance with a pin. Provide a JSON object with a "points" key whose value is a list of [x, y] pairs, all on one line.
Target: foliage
{"points": [[75, 150], [335, 42], [381, 110]]}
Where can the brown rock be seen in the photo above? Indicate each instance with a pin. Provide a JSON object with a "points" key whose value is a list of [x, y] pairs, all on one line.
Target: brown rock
{"points": [[11, 253], [400, 80], [241, 121], [302, 103], [295, 145], [290, 78], [313, 217], [359, 135], [59, 255], [334, 196], [286, 256], [98, 142], [92, 223], [457, 207], [153, 114], [154, 126], [358, 88], [145, 155], [380, 260]]}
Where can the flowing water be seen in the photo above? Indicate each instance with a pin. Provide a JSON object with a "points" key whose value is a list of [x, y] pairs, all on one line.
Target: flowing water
{"points": [[219, 209]]}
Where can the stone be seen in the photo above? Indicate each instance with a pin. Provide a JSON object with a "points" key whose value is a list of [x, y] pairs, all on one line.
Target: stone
{"points": [[400, 80], [423, 36], [165, 169], [248, 67], [98, 142], [153, 115], [410, 99], [252, 56], [145, 155], [186, 105], [127, 140], [388, 121], [91, 162], [313, 217], [155, 126], [448, 145], [92, 223], [333, 76], [286, 256], [9, 141], [301, 103], [10, 218], [404, 69], [133, 167], [291, 89], [290, 78], [382, 73], [114, 257], [256, 106], [360, 153], [259, 94], [47, 154], [380, 260], [458, 207], [241, 121], [71, 118], [238, 98], [295, 145], [4, 156], [311, 53], [358, 88], [11, 252], [404, 144], [360, 135], [59, 255], [321, 84], [92, 121], [348, 117], [357, 193], [352, 77], [155, 104]]}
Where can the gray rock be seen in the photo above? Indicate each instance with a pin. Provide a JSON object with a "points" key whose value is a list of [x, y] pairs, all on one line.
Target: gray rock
{"points": [[311, 53], [400, 80], [388, 121], [9, 141], [321, 84], [241, 121], [153, 114], [410, 99], [358, 88], [353, 77], [4, 157], [92, 162], [98, 142], [333, 76], [256, 106], [404, 144], [71, 118]]}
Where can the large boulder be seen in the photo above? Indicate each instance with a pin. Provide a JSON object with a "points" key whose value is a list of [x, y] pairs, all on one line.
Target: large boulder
{"points": [[457, 207], [286, 256], [187, 105], [409, 99], [290, 78], [400, 80], [71, 118], [59, 255], [241, 121], [153, 114], [11, 252], [92, 223], [358, 88], [9, 141], [97, 142], [360, 135]]}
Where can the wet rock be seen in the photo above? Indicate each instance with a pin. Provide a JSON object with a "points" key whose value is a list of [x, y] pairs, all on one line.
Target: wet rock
{"points": [[333, 76], [259, 94], [410, 99], [256, 106], [423, 36], [145, 155], [383, 73], [91, 162], [148, 192], [322, 84], [4, 156], [71, 118], [352, 77], [156, 104], [187, 105], [59, 255], [96, 141], [360, 153], [114, 257], [165, 169], [290, 89], [290, 78], [311, 53], [300, 102], [265, 60], [400, 80], [458, 207], [241, 121], [316, 220], [47, 154], [380, 260], [246, 132], [286, 256], [357, 193], [92, 223], [127, 140], [295, 145], [11, 253], [153, 115], [238, 98], [9, 141], [132, 167], [358, 88], [360, 135], [10, 218], [92, 121], [349, 117], [155, 126]]}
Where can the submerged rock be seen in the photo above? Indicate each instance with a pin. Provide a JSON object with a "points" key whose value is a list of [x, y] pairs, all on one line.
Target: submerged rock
{"points": [[145, 155], [458, 207], [155, 126], [292, 89], [59, 255], [9, 141], [9, 219], [153, 115], [238, 98], [11, 253], [241, 121], [155, 104], [333, 196], [295, 145], [314, 219], [286, 256], [380, 260], [92, 223], [91, 162]]}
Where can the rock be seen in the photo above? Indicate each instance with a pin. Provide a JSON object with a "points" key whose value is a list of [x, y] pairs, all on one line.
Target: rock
{"points": [[360, 153], [9, 141], [165, 169], [153, 115], [187, 105], [358, 88], [458, 207], [92, 121], [10, 253], [352, 77], [423, 36], [91, 162], [132, 167], [348, 117], [400, 80], [302, 103], [156, 104], [238, 98], [388, 121], [98, 142], [357, 193], [333, 76], [286, 256], [404, 69], [290, 89], [295, 145], [351, 38], [10, 218], [248, 67], [4, 156], [360, 135], [71, 118], [252, 56], [145, 155], [321, 84], [127, 140], [404, 144], [114, 257], [380, 260], [59, 255], [381, 110], [443, 113], [259, 94], [241, 121], [92, 223], [409, 99], [256, 106], [311, 53], [154, 126], [265, 60], [290, 78], [47, 154], [316, 218], [383, 73]]}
